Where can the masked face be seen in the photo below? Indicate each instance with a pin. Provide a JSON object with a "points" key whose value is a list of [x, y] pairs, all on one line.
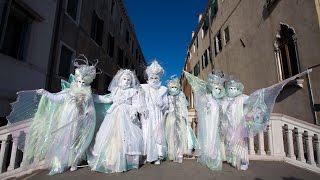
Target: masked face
{"points": [[80, 82], [217, 91], [125, 81], [153, 80], [233, 91], [174, 89]]}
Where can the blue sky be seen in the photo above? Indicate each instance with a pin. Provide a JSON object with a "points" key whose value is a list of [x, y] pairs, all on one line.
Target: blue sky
{"points": [[164, 28]]}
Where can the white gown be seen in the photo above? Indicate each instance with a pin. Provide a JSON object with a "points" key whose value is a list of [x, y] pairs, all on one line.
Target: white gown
{"points": [[153, 127], [180, 137], [118, 143], [234, 112]]}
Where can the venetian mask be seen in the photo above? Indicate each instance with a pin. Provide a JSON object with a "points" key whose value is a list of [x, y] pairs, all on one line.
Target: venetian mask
{"points": [[125, 81], [153, 80], [234, 88], [217, 91]]}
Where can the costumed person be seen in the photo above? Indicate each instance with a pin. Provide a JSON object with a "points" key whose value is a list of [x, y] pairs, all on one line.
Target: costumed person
{"points": [[62, 124], [180, 137], [233, 110], [247, 116], [156, 104], [208, 100], [119, 142]]}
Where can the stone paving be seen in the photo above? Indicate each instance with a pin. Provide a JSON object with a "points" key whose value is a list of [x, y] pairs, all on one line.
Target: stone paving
{"points": [[189, 170]]}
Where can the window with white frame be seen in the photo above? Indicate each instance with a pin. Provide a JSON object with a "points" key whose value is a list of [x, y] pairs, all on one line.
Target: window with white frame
{"points": [[286, 52], [217, 43]]}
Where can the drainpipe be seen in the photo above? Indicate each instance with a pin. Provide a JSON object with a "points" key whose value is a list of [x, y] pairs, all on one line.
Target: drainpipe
{"points": [[210, 40]]}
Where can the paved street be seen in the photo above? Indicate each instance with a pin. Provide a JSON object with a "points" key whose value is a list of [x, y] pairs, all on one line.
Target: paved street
{"points": [[189, 170]]}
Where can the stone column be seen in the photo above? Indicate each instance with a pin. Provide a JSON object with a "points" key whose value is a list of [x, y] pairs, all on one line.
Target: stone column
{"points": [[300, 146], [3, 152], [290, 143], [310, 153], [13, 153], [261, 150], [270, 141]]}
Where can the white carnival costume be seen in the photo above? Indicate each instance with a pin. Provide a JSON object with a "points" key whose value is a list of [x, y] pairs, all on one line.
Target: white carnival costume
{"points": [[247, 116], [119, 143], [208, 99], [156, 105], [180, 137], [63, 123]]}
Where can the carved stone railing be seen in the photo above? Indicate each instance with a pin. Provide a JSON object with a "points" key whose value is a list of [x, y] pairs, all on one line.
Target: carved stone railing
{"points": [[286, 139], [11, 158], [290, 140]]}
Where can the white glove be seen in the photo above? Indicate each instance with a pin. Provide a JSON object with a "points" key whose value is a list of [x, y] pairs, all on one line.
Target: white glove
{"points": [[41, 91]]}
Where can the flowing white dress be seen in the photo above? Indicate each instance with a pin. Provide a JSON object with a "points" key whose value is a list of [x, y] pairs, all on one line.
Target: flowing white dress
{"points": [[118, 143], [153, 127], [180, 137]]}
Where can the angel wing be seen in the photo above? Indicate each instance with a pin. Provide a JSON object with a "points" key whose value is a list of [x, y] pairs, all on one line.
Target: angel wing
{"points": [[259, 106]]}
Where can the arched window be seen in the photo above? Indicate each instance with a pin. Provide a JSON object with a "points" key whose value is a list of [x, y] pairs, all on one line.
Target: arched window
{"points": [[286, 52]]}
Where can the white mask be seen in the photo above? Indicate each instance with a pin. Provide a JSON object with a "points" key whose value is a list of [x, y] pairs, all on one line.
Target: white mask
{"points": [[80, 82], [217, 91], [125, 81], [154, 80]]}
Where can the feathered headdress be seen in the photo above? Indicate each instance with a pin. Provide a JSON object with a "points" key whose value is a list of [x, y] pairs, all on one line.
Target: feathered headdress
{"points": [[84, 70]]}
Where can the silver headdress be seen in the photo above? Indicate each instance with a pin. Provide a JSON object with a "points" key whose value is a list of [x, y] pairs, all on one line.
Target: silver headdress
{"points": [[216, 78], [235, 83], [84, 70], [174, 81], [174, 86], [154, 69]]}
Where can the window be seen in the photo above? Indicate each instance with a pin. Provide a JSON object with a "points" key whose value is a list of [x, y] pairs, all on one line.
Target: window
{"points": [[214, 8], [73, 8], [286, 52], [14, 31], [196, 69], [209, 53], [204, 59], [205, 56], [96, 28], [226, 35], [110, 45], [205, 25], [120, 57], [217, 43], [66, 56]]}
